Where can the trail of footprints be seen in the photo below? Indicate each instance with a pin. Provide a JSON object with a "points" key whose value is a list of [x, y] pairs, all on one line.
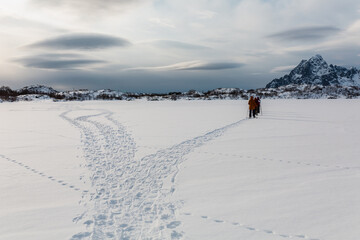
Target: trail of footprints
{"points": [[170, 225], [44, 175], [282, 161], [251, 228], [271, 159], [131, 201], [128, 199]]}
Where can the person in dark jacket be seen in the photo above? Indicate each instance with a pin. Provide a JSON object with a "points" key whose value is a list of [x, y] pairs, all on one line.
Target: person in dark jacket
{"points": [[257, 101], [252, 107]]}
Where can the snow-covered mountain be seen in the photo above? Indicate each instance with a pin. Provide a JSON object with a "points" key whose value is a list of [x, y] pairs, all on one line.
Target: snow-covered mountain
{"points": [[37, 89], [316, 71], [288, 91]]}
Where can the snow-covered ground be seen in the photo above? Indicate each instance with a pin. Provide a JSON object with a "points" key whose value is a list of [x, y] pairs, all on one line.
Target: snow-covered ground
{"points": [[180, 170]]}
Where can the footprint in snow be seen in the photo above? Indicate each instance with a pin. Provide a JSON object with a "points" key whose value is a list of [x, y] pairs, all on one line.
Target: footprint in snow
{"points": [[173, 225], [176, 235], [284, 236], [110, 235], [81, 235], [124, 225]]}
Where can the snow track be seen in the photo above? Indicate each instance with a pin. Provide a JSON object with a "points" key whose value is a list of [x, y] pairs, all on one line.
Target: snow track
{"points": [[43, 175], [271, 160], [130, 199], [251, 228]]}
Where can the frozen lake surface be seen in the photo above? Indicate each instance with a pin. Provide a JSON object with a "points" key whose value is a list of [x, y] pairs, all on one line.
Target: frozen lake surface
{"points": [[180, 170]]}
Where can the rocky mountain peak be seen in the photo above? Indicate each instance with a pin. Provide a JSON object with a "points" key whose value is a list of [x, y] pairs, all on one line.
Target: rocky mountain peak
{"points": [[316, 58], [316, 71]]}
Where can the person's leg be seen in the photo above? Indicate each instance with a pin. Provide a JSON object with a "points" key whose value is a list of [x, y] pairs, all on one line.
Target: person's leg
{"points": [[250, 113]]}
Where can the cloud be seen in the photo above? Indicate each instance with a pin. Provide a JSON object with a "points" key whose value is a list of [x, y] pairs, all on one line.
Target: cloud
{"points": [[149, 82], [213, 66], [94, 7], [81, 41], [205, 14], [178, 45], [305, 33], [192, 66], [57, 61], [247, 31], [162, 22], [282, 69], [24, 23]]}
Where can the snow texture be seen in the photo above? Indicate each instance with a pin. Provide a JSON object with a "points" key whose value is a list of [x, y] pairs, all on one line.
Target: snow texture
{"points": [[180, 170]]}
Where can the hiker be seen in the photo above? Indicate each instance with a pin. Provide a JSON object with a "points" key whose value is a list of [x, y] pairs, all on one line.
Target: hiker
{"points": [[257, 101], [252, 107]]}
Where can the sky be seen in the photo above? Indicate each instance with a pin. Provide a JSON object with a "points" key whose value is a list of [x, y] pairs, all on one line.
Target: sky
{"points": [[170, 45]]}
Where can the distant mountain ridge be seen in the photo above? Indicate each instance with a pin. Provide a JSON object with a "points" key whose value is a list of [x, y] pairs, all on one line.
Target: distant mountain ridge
{"points": [[316, 71], [291, 91]]}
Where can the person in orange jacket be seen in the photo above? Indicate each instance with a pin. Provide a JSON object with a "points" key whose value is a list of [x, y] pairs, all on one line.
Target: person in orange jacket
{"points": [[252, 107]]}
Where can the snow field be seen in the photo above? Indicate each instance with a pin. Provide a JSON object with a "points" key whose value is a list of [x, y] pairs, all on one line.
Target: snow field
{"points": [[292, 173], [39, 174], [180, 170]]}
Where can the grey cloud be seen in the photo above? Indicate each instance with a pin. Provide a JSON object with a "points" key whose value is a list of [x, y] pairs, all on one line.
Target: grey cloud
{"points": [[178, 45], [81, 41], [306, 33], [214, 66], [57, 61], [57, 55], [137, 81], [193, 66], [282, 69]]}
